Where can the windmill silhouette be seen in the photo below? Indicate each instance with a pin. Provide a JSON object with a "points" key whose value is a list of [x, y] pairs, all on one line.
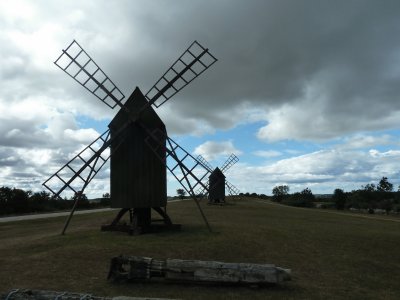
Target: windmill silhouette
{"points": [[215, 187], [136, 141]]}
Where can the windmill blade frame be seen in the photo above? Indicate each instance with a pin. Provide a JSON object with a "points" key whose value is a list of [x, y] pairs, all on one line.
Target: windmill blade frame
{"points": [[188, 180], [204, 162], [190, 65], [232, 159], [77, 64], [93, 170], [233, 191], [76, 173]]}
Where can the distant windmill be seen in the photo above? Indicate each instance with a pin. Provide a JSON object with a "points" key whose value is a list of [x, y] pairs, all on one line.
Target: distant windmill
{"points": [[217, 181], [136, 141]]}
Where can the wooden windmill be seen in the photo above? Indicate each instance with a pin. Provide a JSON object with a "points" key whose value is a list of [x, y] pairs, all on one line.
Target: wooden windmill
{"points": [[136, 141], [217, 180]]}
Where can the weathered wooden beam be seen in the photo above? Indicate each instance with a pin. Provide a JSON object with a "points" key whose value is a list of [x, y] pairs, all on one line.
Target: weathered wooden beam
{"points": [[27, 294], [136, 268]]}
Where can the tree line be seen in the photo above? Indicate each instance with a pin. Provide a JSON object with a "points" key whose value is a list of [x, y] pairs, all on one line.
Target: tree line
{"points": [[305, 198], [369, 197], [17, 201]]}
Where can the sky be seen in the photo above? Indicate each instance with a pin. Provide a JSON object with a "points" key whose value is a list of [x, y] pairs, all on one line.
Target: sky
{"points": [[305, 93]]}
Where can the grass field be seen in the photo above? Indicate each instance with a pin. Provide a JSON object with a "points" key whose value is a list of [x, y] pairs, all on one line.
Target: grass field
{"points": [[332, 256]]}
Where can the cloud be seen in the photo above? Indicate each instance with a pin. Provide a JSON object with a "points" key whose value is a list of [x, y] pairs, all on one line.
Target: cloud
{"points": [[267, 153], [212, 150], [322, 171], [367, 141], [308, 67]]}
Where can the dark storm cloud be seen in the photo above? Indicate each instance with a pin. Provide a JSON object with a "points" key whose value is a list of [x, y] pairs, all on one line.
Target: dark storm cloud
{"points": [[334, 59], [272, 52], [9, 158]]}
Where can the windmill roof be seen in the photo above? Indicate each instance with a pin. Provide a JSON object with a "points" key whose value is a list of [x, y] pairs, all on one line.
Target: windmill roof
{"points": [[134, 103], [217, 172]]}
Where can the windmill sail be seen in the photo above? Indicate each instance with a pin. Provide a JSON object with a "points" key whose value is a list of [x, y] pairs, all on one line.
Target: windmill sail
{"points": [[184, 167], [233, 191], [204, 163], [193, 62], [229, 162], [80, 170], [83, 69]]}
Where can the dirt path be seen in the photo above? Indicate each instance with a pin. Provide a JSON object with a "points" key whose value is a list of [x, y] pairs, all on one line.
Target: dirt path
{"points": [[51, 215]]}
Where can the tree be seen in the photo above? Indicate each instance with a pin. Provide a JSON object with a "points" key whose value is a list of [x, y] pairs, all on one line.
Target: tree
{"points": [[339, 197], [106, 195], [369, 187], [384, 185], [40, 201], [5, 198], [307, 195], [279, 192], [80, 196], [83, 201], [181, 193], [305, 198], [19, 201]]}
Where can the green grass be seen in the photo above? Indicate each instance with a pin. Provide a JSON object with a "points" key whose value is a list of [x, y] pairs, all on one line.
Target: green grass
{"points": [[332, 256]]}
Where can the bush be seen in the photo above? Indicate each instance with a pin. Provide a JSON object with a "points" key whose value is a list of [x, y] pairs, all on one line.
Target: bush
{"points": [[303, 199]]}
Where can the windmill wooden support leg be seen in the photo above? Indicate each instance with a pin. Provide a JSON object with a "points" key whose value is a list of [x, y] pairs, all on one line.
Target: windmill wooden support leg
{"points": [[115, 224], [140, 221], [135, 268], [219, 201], [164, 215], [119, 216]]}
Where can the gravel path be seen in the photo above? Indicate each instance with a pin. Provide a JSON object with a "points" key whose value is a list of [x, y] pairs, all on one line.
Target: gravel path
{"points": [[51, 215]]}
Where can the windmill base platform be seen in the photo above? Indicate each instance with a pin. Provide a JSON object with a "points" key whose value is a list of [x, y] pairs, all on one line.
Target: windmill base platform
{"points": [[140, 222], [216, 202]]}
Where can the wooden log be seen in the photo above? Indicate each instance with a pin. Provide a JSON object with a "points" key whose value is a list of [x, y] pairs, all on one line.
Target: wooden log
{"points": [[27, 294], [136, 268]]}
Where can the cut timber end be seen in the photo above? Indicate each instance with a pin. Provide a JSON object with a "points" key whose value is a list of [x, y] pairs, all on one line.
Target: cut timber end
{"points": [[135, 268]]}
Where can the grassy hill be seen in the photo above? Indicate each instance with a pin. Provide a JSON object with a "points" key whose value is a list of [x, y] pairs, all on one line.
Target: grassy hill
{"points": [[332, 255]]}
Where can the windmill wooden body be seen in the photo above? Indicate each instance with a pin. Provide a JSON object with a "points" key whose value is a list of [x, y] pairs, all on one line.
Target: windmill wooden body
{"points": [[132, 157], [217, 180], [136, 141]]}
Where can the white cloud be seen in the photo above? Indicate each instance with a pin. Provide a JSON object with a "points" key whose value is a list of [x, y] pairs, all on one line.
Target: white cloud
{"points": [[212, 150], [267, 153], [322, 171], [367, 141], [85, 136]]}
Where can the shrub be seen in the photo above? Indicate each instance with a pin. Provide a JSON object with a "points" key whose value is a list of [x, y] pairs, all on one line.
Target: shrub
{"points": [[303, 199]]}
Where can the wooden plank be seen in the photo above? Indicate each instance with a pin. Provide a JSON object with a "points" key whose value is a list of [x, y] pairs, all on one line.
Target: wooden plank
{"points": [[196, 271], [27, 294]]}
